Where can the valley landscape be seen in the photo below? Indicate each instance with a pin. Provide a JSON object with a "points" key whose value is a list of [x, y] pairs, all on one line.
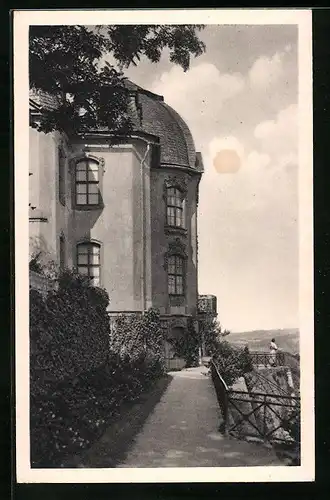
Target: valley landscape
{"points": [[287, 339]]}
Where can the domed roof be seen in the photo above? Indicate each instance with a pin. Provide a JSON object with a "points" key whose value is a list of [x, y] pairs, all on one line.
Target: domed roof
{"points": [[153, 116]]}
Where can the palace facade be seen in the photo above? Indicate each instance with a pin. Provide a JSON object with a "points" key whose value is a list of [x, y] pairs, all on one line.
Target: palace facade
{"points": [[124, 213]]}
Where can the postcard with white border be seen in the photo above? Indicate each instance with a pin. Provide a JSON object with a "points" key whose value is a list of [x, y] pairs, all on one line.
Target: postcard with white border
{"points": [[164, 246]]}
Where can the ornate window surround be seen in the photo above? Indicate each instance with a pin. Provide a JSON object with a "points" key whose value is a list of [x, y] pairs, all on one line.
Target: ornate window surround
{"points": [[176, 274], [176, 182], [177, 323], [180, 184], [177, 249]]}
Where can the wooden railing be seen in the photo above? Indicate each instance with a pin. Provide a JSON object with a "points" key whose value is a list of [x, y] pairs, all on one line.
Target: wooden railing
{"points": [[255, 414]]}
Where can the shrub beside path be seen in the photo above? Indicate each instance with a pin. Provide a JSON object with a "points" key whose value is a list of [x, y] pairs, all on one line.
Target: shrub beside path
{"points": [[182, 431]]}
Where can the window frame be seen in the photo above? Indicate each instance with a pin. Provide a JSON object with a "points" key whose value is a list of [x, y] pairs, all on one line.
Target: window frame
{"points": [[176, 203], [179, 290], [89, 245], [87, 182]]}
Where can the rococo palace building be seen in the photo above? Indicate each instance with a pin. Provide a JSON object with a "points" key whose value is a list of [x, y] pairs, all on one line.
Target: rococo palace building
{"points": [[124, 213]]}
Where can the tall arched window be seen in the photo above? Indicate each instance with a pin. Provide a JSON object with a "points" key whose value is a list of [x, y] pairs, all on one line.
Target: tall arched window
{"points": [[175, 272], [175, 207], [88, 261], [87, 192]]}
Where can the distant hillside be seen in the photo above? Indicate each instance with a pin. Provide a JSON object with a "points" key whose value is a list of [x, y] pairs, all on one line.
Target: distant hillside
{"points": [[258, 340]]}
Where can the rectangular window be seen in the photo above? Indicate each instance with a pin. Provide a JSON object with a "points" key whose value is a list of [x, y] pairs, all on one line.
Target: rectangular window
{"points": [[171, 216], [87, 183], [174, 198], [179, 217], [171, 285], [88, 261], [93, 172], [179, 285], [175, 275]]}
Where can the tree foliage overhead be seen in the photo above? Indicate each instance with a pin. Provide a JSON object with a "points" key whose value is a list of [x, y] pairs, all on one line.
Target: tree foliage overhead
{"points": [[128, 43], [67, 63]]}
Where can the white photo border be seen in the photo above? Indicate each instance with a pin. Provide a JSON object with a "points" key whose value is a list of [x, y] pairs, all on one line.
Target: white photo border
{"points": [[22, 20]]}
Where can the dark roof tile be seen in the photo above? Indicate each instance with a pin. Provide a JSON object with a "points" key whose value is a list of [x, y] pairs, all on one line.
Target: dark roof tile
{"points": [[150, 114], [176, 142]]}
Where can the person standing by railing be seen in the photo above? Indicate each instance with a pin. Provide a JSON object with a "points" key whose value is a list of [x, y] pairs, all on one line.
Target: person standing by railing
{"points": [[273, 351]]}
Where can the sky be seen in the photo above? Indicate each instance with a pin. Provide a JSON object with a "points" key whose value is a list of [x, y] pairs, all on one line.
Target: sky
{"points": [[239, 100]]}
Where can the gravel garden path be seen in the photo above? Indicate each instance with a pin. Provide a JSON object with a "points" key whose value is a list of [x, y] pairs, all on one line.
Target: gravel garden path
{"points": [[181, 430]]}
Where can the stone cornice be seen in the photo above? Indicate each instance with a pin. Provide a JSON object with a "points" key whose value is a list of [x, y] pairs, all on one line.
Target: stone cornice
{"points": [[172, 230]]}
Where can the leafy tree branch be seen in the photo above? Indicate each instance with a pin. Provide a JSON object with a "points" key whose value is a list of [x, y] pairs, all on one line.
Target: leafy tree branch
{"points": [[67, 64]]}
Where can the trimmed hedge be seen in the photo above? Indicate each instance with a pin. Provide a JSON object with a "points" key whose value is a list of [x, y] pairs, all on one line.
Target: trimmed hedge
{"points": [[75, 413], [69, 331], [80, 373]]}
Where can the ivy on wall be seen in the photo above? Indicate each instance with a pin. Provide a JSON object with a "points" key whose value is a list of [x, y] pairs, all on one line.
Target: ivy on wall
{"points": [[187, 345]]}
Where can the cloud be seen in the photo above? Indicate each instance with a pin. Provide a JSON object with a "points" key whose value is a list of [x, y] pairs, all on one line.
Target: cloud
{"points": [[198, 95], [199, 82], [279, 136], [249, 222], [249, 159], [256, 182], [286, 118], [287, 160], [266, 71], [257, 161], [247, 219]]}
